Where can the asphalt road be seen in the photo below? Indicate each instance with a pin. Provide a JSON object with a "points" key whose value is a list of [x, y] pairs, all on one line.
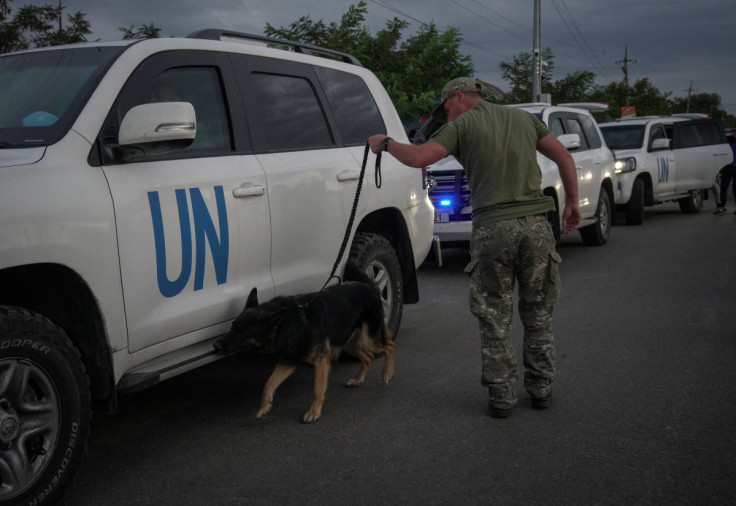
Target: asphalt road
{"points": [[644, 407]]}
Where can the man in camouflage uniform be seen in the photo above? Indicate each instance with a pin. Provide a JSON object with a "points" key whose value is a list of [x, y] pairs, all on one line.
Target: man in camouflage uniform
{"points": [[512, 239]]}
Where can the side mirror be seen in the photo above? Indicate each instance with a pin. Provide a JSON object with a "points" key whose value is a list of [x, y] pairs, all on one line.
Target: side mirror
{"points": [[158, 127], [658, 144], [570, 141]]}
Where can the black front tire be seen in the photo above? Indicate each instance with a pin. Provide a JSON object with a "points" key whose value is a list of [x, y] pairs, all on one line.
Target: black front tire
{"points": [[597, 233], [44, 408], [635, 206], [374, 255]]}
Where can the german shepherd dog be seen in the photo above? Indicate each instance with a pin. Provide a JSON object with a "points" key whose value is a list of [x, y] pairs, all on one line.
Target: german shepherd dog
{"points": [[314, 328]]}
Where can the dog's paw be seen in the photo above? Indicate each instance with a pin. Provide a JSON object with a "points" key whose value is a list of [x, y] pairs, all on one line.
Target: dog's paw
{"points": [[352, 382], [310, 417], [263, 411], [387, 378]]}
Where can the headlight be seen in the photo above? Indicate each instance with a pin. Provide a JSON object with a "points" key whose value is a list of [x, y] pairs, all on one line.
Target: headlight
{"points": [[625, 165]]}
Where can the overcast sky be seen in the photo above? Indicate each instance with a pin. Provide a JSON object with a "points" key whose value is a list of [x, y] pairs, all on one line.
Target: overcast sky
{"points": [[677, 44]]}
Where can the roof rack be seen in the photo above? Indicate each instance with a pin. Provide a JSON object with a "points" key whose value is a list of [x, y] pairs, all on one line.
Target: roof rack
{"points": [[588, 106], [249, 38], [532, 104], [692, 115], [664, 117]]}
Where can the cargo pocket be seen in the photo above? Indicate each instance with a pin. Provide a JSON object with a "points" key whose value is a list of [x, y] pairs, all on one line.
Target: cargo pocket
{"points": [[552, 288]]}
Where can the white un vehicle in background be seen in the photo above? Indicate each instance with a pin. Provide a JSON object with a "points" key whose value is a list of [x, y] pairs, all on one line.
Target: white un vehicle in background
{"points": [[576, 129], [661, 159], [145, 188]]}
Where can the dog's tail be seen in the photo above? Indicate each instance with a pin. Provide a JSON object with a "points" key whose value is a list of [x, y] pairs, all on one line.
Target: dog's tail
{"points": [[354, 273]]}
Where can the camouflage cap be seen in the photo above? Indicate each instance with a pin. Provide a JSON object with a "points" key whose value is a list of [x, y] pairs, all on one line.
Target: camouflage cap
{"points": [[463, 84]]}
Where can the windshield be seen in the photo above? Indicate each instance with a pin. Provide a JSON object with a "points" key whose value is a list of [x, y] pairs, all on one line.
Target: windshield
{"points": [[42, 92], [623, 136]]}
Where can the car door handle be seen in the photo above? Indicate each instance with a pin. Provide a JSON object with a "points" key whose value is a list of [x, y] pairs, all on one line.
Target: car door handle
{"points": [[348, 175], [248, 190], [579, 167]]}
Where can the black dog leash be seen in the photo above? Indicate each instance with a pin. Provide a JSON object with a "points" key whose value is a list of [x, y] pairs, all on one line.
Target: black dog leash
{"points": [[379, 181]]}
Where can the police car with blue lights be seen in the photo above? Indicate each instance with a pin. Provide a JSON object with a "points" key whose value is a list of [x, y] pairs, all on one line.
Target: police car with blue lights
{"points": [[574, 126], [665, 158], [146, 187]]}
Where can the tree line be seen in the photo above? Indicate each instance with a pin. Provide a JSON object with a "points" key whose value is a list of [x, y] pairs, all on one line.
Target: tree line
{"points": [[412, 67]]}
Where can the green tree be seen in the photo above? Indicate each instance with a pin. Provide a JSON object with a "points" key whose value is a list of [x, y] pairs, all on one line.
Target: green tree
{"points": [[647, 99], [413, 71], [580, 87], [708, 103], [144, 32], [575, 87], [39, 26]]}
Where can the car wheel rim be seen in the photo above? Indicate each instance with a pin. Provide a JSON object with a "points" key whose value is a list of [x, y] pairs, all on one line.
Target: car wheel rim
{"points": [[29, 424], [697, 198], [378, 272], [603, 219]]}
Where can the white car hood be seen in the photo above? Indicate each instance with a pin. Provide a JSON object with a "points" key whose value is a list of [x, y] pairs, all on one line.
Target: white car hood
{"points": [[447, 163], [25, 156], [624, 153]]}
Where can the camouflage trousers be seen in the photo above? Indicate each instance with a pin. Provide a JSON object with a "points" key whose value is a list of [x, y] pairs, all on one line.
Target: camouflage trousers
{"points": [[502, 253]]}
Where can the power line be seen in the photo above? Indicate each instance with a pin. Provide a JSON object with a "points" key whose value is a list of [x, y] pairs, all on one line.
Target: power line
{"points": [[401, 13], [527, 28], [600, 69], [674, 81], [589, 53], [393, 9], [488, 20], [502, 16], [524, 37]]}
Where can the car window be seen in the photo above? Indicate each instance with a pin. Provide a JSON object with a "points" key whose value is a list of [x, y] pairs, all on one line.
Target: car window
{"points": [[690, 136], [555, 126], [290, 113], [573, 126], [180, 76], [710, 133], [352, 104], [201, 88], [701, 133], [591, 133], [655, 132], [624, 136], [44, 91]]}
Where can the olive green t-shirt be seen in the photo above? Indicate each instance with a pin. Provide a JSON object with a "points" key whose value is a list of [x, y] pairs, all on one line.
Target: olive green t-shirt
{"points": [[496, 146]]}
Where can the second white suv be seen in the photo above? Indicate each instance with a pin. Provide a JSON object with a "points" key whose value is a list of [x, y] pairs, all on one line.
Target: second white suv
{"points": [[575, 127], [660, 159]]}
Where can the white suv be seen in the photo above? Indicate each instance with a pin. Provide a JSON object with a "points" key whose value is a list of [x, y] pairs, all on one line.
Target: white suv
{"points": [[659, 159], [575, 127], [146, 187]]}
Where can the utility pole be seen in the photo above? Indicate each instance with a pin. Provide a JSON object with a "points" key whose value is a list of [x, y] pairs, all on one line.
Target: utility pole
{"points": [[689, 92], [625, 68], [537, 63]]}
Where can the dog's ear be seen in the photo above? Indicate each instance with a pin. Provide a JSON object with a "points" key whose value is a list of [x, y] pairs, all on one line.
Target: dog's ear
{"points": [[252, 299], [275, 316], [272, 321]]}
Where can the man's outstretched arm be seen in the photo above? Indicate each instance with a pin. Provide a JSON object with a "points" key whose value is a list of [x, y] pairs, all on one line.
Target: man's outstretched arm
{"points": [[412, 155]]}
